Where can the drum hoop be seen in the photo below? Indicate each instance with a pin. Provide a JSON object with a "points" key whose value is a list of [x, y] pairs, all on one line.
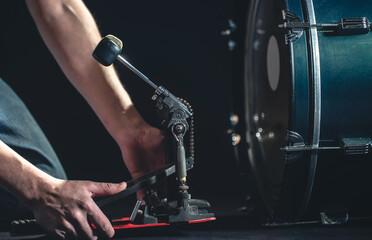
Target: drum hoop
{"points": [[314, 101], [315, 112]]}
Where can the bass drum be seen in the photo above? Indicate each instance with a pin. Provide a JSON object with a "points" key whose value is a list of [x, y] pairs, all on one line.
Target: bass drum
{"points": [[308, 118]]}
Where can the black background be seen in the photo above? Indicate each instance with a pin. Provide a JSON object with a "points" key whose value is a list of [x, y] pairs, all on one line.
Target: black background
{"points": [[177, 44]]}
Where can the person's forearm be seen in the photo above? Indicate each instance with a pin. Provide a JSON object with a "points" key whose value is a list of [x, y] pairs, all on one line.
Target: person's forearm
{"points": [[71, 34], [61, 207], [20, 177]]}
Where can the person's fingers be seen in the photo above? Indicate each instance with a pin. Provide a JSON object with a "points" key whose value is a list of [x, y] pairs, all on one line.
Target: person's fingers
{"points": [[84, 230], [105, 189], [65, 231], [103, 225]]}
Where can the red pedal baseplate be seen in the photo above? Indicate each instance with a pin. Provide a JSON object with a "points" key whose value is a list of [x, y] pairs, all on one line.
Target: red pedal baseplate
{"points": [[125, 223]]}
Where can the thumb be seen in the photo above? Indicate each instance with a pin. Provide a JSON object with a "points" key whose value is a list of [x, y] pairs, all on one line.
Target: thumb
{"points": [[99, 189]]}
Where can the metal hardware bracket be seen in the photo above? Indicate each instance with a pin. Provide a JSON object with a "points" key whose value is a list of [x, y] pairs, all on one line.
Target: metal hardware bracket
{"points": [[346, 26], [350, 146]]}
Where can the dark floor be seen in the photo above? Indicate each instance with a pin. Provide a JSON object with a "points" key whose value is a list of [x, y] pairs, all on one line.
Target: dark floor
{"points": [[230, 224], [236, 228], [303, 233]]}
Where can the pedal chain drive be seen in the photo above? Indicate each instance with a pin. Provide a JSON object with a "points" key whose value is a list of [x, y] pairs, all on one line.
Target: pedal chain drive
{"points": [[191, 149]]}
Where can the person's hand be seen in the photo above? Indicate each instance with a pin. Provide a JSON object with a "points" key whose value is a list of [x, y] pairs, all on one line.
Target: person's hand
{"points": [[66, 210], [143, 151]]}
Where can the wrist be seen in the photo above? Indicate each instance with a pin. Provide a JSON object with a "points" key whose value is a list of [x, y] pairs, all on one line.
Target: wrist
{"points": [[41, 187], [130, 125], [20, 178]]}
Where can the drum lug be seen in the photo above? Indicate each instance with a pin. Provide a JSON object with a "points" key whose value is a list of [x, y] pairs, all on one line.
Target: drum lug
{"points": [[293, 33], [235, 139], [231, 44], [234, 136], [294, 140], [347, 26], [258, 117]]}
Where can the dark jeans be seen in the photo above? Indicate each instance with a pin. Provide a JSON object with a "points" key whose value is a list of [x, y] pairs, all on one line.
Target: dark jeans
{"points": [[19, 130]]}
